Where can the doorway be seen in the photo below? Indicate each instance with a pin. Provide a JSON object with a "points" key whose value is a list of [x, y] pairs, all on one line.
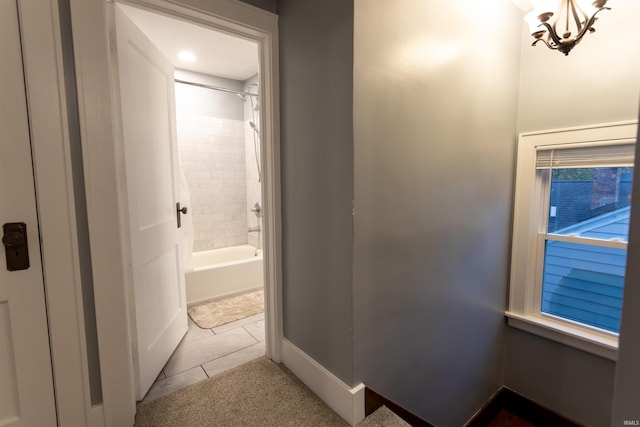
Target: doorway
{"points": [[92, 29], [217, 111]]}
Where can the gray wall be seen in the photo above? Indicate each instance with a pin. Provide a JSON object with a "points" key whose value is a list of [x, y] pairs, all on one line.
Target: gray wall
{"points": [[435, 126], [626, 392], [598, 82], [574, 383], [82, 224], [316, 75], [430, 284], [269, 5]]}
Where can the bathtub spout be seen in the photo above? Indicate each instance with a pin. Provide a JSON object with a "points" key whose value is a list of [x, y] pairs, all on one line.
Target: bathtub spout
{"points": [[254, 229]]}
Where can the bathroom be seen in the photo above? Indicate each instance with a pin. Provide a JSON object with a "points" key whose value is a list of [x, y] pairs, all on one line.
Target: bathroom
{"points": [[217, 112], [218, 144], [217, 122]]}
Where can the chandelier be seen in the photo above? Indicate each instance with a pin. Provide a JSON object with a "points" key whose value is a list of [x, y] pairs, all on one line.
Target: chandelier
{"points": [[561, 24]]}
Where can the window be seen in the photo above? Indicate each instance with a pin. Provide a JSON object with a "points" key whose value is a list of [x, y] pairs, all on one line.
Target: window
{"points": [[571, 226]]}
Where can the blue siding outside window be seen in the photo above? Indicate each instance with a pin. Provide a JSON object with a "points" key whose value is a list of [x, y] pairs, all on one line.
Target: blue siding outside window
{"points": [[584, 283]]}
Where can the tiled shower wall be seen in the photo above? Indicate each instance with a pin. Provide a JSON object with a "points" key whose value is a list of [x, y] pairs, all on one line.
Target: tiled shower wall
{"points": [[213, 159], [211, 143]]}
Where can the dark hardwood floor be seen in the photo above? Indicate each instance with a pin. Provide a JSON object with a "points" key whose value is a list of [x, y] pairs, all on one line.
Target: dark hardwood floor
{"points": [[505, 418]]}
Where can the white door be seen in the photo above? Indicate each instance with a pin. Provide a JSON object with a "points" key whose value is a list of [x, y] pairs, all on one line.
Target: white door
{"points": [[26, 384], [150, 151]]}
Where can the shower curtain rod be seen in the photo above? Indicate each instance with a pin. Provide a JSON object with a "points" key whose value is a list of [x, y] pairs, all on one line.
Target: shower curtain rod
{"points": [[215, 88]]}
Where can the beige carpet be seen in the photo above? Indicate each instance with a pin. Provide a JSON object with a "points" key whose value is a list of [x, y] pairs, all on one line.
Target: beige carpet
{"points": [[216, 313], [258, 393], [383, 417]]}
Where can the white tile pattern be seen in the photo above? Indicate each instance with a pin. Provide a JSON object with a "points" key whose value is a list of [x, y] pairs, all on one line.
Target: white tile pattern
{"points": [[256, 329], [212, 155], [238, 323], [197, 352], [218, 149], [204, 353]]}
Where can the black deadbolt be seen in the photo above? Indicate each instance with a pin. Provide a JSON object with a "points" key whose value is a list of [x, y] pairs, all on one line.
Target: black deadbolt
{"points": [[15, 245]]}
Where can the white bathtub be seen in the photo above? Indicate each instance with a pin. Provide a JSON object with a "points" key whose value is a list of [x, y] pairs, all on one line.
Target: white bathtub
{"points": [[221, 272]]}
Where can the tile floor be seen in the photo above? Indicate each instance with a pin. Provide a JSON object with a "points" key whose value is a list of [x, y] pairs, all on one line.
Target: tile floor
{"points": [[204, 353]]}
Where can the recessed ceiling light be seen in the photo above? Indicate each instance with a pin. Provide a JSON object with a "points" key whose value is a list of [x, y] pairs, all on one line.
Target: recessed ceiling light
{"points": [[187, 56]]}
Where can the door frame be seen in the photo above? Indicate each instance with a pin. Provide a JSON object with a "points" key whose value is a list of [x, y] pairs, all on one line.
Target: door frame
{"points": [[46, 50], [98, 100]]}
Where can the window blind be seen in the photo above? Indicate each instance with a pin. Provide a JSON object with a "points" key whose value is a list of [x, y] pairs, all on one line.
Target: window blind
{"points": [[587, 156]]}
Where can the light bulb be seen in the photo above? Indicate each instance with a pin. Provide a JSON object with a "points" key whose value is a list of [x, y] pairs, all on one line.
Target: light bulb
{"points": [[187, 56], [534, 22]]}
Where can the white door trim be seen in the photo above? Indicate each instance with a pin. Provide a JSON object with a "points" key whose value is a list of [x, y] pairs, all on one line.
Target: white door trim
{"points": [[43, 51], [103, 172]]}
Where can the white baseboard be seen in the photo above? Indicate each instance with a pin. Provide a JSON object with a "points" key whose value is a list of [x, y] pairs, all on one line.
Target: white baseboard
{"points": [[348, 402]]}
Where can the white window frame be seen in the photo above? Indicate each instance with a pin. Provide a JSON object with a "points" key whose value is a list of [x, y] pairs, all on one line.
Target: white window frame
{"points": [[527, 257]]}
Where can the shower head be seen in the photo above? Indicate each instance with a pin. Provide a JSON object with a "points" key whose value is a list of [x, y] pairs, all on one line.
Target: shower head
{"points": [[241, 96]]}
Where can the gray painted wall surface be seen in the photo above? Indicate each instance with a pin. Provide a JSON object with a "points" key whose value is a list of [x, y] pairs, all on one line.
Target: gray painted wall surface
{"points": [[626, 392], [270, 5], [82, 224], [577, 384], [426, 356], [316, 79], [435, 104], [598, 82]]}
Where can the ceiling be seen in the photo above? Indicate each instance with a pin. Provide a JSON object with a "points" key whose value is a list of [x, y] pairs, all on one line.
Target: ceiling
{"points": [[217, 54], [525, 5]]}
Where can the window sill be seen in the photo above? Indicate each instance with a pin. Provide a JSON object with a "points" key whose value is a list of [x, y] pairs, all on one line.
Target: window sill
{"points": [[592, 342]]}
